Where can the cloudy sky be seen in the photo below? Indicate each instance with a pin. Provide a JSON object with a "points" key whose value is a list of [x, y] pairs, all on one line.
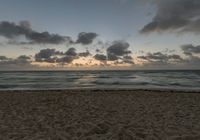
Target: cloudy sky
{"points": [[99, 34]]}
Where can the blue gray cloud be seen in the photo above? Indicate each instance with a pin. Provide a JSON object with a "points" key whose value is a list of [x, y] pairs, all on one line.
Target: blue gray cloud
{"points": [[190, 49], [175, 15], [11, 30], [86, 38]]}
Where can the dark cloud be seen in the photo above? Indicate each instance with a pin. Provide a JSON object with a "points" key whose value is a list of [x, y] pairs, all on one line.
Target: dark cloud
{"points": [[25, 24], [24, 57], [112, 57], [66, 59], [86, 38], [11, 30], [193, 61], [98, 50], [179, 15], [84, 54], [21, 60], [119, 48], [100, 57], [47, 55], [128, 61], [71, 52], [53, 56], [128, 57], [175, 57], [160, 57], [190, 49], [3, 58], [46, 38]]}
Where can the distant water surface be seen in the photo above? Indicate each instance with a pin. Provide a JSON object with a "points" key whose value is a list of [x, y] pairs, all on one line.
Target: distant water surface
{"points": [[42, 80]]}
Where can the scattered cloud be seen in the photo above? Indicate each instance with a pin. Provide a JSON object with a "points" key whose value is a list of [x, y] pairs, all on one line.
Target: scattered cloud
{"points": [[86, 38], [117, 53], [46, 38], [2, 58], [112, 57], [160, 57], [71, 52], [11, 30], [54, 56], [66, 59], [100, 57], [84, 54], [175, 15], [190, 49], [47, 55], [119, 48], [22, 61]]}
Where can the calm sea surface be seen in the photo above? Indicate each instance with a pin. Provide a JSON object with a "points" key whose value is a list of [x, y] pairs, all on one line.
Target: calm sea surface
{"points": [[180, 80]]}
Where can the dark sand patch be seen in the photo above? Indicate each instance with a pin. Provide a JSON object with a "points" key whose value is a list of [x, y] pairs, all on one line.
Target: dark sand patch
{"points": [[99, 115]]}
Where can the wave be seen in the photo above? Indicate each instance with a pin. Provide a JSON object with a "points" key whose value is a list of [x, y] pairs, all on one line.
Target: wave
{"points": [[103, 79]]}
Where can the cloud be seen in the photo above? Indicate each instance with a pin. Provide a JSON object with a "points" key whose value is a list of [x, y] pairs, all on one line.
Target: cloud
{"points": [[71, 52], [100, 57], [86, 38], [2, 58], [117, 52], [53, 56], [119, 48], [66, 59], [194, 61], [84, 54], [190, 49], [112, 57], [21, 60], [178, 15], [46, 38], [47, 55], [160, 57], [11, 30], [128, 57]]}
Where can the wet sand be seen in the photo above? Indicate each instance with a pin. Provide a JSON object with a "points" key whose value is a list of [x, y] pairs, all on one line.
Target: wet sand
{"points": [[99, 115]]}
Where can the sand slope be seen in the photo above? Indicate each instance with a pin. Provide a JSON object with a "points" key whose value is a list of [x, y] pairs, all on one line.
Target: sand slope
{"points": [[99, 115]]}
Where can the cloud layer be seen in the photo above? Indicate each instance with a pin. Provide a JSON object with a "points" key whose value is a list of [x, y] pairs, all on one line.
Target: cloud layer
{"points": [[117, 52], [12, 30], [175, 15], [159, 57], [190, 49]]}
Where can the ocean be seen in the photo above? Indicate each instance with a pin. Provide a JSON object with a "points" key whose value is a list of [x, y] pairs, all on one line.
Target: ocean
{"points": [[56, 80]]}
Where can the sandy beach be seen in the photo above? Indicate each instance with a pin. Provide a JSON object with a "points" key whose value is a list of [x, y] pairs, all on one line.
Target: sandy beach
{"points": [[99, 115]]}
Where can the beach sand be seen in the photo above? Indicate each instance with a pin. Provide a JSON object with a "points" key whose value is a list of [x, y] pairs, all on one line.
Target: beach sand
{"points": [[99, 115]]}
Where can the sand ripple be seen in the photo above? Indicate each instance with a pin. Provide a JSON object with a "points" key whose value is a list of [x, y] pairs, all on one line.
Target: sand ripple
{"points": [[99, 115]]}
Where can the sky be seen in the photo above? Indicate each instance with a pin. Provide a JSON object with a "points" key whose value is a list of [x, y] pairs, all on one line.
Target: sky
{"points": [[99, 34]]}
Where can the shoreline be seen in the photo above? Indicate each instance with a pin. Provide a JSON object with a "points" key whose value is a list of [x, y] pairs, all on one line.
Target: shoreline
{"points": [[105, 90]]}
